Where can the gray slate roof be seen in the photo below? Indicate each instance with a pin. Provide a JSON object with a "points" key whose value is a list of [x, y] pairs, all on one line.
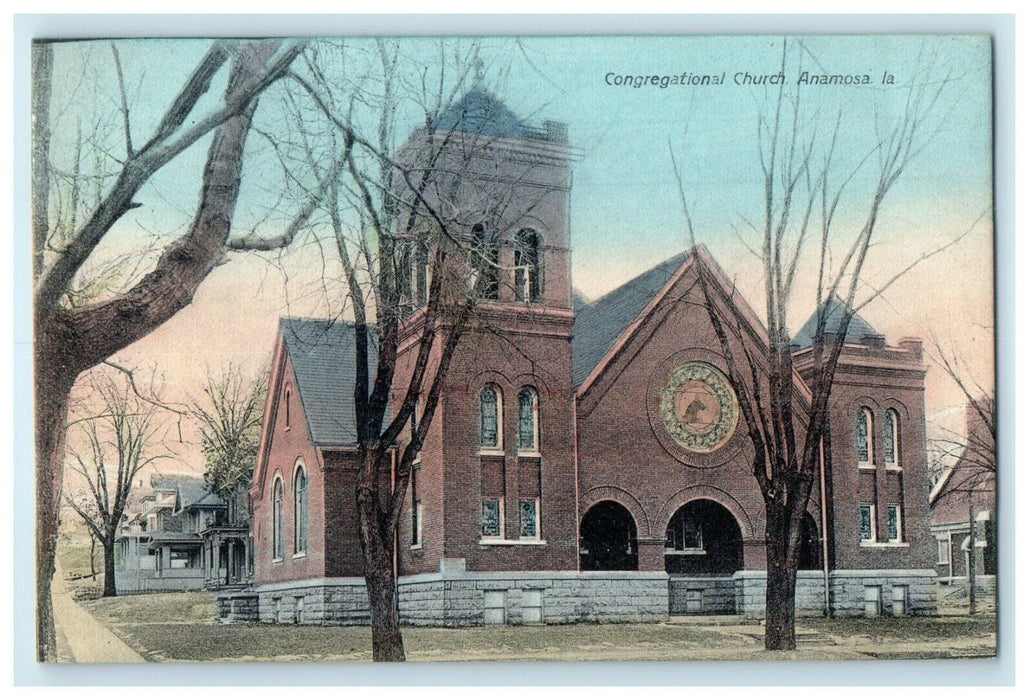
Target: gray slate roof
{"points": [[599, 324], [479, 112], [857, 326], [323, 355]]}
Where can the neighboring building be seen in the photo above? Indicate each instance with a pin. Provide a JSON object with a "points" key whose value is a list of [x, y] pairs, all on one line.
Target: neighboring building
{"points": [[588, 461], [179, 536], [965, 498]]}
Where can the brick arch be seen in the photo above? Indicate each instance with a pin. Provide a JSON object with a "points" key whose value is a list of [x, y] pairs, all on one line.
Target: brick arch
{"points": [[624, 498], [709, 493]]}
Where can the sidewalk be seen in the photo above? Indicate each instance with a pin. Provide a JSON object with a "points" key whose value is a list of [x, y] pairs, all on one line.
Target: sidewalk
{"points": [[87, 640]]}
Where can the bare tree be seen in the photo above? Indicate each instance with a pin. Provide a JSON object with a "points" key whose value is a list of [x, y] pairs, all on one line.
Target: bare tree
{"points": [[804, 177], [418, 247], [120, 444], [230, 422], [72, 337]]}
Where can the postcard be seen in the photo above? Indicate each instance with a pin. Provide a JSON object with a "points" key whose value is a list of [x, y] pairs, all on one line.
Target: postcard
{"points": [[620, 348]]}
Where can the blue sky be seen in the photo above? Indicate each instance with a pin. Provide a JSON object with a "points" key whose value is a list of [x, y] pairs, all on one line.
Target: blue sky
{"points": [[625, 213]]}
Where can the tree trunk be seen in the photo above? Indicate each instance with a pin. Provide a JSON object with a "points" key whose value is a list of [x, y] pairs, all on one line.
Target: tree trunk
{"points": [[52, 389], [380, 575], [780, 585], [109, 568]]}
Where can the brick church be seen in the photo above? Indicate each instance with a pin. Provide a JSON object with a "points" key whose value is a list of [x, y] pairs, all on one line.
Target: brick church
{"points": [[588, 461]]}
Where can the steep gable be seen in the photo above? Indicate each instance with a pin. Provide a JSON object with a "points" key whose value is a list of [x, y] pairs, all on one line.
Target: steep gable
{"points": [[599, 325]]}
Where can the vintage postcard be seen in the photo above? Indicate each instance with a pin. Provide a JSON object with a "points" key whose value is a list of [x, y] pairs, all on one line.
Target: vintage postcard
{"points": [[615, 348]]}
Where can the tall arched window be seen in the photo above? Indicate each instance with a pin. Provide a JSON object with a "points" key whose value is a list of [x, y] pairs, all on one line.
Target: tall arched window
{"points": [[528, 420], [301, 509], [278, 518], [865, 436], [484, 264], [527, 266], [890, 438], [489, 418]]}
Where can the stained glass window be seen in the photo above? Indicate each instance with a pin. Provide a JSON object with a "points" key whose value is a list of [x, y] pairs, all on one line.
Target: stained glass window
{"points": [[891, 437], [301, 510], [530, 518], [527, 409], [278, 530], [894, 535], [866, 522], [491, 518], [864, 436], [489, 426]]}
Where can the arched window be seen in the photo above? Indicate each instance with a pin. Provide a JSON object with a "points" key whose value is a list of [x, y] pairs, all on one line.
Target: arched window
{"points": [[527, 266], [484, 264], [489, 418], [278, 519], [528, 420], [890, 438], [301, 509], [865, 436]]}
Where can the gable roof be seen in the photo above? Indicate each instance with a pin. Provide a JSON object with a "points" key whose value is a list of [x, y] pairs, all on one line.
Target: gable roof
{"points": [[480, 112], [599, 324], [323, 355], [858, 327]]}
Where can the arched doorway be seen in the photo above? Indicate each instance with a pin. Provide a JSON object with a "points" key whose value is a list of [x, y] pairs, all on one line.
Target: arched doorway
{"points": [[607, 539], [809, 545], [703, 539]]}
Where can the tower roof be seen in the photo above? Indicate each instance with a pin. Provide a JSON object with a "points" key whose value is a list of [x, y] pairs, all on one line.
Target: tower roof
{"points": [[858, 327], [480, 112]]}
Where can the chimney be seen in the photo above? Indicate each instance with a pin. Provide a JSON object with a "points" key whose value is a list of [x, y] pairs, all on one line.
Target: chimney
{"points": [[914, 345], [556, 131], [873, 341]]}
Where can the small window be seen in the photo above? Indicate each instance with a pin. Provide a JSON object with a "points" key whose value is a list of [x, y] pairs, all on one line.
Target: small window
{"points": [[492, 521], [489, 423], [528, 420], [866, 522], [895, 523], [944, 550], [278, 519], [865, 437], [890, 439], [684, 533], [529, 513], [527, 266], [415, 416], [287, 407], [301, 509]]}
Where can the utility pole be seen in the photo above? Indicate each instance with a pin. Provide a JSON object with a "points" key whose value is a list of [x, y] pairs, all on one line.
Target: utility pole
{"points": [[971, 555]]}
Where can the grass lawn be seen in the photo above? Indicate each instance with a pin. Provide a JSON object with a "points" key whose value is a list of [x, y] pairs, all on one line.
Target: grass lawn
{"points": [[178, 627]]}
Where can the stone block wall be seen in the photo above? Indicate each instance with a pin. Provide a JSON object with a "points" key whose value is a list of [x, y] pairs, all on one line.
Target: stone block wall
{"points": [[237, 607], [853, 593], [462, 599], [338, 601], [690, 595]]}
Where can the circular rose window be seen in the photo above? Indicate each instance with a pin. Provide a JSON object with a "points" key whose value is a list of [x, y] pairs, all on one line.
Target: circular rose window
{"points": [[698, 408]]}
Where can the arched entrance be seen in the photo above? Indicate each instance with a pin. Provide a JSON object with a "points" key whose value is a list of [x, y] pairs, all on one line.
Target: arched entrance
{"points": [[607, 539], [809, 545], [703, 539]]}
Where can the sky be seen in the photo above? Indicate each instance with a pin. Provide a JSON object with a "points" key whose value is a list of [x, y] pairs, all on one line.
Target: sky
{"points": [[626, 213]]}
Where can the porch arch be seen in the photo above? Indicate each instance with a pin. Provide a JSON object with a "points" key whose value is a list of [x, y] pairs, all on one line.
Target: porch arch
{"points": [[627, 500], [708, 493]]}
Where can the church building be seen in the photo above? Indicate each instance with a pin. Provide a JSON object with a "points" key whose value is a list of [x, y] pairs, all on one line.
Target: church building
{"points": [[588, 460]]}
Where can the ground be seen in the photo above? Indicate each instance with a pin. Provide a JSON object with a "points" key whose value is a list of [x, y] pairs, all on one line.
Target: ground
{"points": [[180, 627]]}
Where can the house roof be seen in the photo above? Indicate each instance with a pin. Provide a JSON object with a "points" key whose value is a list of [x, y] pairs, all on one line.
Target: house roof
{"points": [[858, 327], [191, 491], [323, 356], [480, 112], [599, 324]]}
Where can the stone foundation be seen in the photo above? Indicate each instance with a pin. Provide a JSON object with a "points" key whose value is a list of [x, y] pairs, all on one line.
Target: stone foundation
{"points": [[469, 598], [325, 601], [705, 595], [237, 606], [853, 593]]}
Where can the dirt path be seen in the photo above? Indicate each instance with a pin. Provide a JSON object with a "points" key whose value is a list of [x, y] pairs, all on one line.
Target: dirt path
{"points": [[85, 640]]}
